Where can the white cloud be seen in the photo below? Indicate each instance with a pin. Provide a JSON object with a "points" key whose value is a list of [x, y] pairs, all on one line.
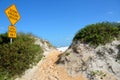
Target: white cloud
{"points": [[110, 12], [118, 21]]}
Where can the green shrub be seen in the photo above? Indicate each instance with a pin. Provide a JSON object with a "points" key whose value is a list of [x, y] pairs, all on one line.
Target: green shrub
{"points": [[118, 46], [4, 38], [67, 54], [99, 73], [100, 33], [118, 55], [15, 58]]}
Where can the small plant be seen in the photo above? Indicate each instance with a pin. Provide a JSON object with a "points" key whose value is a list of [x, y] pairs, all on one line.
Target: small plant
{"points": [[118, 46], [67, 54], [118, 54], [98, 73]]}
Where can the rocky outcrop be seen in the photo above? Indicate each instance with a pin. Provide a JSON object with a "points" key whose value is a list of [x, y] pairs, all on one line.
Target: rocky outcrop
{"points": [[96, 63], [45, 45]]}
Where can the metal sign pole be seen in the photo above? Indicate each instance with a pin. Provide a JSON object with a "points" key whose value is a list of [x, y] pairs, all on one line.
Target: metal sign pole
{"points": [[10, 40]]}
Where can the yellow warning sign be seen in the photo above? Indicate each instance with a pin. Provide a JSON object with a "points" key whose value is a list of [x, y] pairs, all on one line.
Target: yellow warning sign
{"points": [[12, 32], [12, 14]]}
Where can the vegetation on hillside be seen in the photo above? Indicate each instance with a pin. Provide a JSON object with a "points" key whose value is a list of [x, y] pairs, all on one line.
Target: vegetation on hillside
{"points": [[15, 58], [99, 33]]}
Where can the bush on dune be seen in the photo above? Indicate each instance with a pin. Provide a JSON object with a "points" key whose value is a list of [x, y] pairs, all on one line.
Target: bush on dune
{"points": [[99, 33], [15, 58]]}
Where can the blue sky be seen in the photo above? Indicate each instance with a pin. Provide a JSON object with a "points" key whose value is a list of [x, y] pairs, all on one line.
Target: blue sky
{"points": [[59, 20]]}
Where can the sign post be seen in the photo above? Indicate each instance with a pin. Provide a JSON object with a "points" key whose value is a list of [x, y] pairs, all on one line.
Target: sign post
{"points": [[13, 16], [10, 40]]}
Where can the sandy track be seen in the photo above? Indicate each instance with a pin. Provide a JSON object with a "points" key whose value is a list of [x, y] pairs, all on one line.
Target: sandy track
{"points": [[48, 70]]}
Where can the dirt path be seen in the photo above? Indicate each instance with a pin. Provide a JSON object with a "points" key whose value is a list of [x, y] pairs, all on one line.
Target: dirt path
{"points": [[48, 70]]}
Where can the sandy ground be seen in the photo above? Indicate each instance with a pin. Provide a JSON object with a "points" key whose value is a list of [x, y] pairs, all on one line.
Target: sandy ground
{"points": [[48, 70]]}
